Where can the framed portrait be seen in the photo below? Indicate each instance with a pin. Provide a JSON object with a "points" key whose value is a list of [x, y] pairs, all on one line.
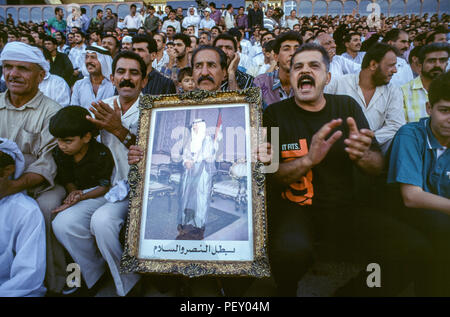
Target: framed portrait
{"points": [[197, 198]]}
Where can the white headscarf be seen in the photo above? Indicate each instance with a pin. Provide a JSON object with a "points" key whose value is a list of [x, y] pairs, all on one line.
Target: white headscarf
{"points": [[18, 51], [11, 148], [104, 59], [199, 136]]}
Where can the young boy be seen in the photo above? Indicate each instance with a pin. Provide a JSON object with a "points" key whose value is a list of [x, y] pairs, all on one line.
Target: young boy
{"points": [[185, 80], [22, 237], [84, 165]]}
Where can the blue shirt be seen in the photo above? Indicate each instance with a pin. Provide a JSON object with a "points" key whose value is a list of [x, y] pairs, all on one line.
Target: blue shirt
{"points": [[415, 159]]}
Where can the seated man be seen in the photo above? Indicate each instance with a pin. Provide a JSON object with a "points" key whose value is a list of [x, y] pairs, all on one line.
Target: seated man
{"points": [[22, 239], [420, 164], [322, 139], [91, 229]]}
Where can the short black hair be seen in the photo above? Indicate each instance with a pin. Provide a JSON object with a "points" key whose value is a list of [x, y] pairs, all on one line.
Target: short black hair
{"points": [[115, 39], [288, 36], [151, 43], [223, 57], [268, 46], [133, 6], [57, 9], [186, 71], [414, 53], [5, 159], [313, 47], [71, 121], [171, 26], [228, 37], [439, 89], [348, 36], [217, 28], [99, 10], [235, 33], [185, 38], [208, 34], [433, 47], [393, 35], [50, 39], [130, 55], [376, 53]]}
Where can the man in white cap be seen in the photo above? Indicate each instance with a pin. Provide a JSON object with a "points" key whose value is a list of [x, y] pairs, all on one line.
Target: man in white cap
{"points": [[96, 85], [24, 116], [22, 260], [127, 43], [206, 24]]}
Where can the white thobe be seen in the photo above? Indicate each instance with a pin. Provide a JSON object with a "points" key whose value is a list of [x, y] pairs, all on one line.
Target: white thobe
{"points": [[340, 66], [83, 93], [56, 88], [22, 247]]}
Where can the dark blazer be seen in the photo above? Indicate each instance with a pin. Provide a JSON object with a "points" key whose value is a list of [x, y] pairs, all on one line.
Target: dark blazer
{"points": [[158, 84]]}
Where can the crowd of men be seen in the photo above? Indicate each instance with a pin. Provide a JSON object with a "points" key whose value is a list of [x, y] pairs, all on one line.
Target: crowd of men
{"points": [[351, 97]]}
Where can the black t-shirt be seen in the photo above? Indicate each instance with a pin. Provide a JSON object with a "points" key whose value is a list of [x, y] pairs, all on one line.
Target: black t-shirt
{"points": [[330, 183], [94, 169]]}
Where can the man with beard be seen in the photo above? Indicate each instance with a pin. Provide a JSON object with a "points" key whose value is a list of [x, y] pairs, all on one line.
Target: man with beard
{"points": [[235, 78], [96, 85], [90, 231], [399, 39], [178, 57], [157, 84], [77, 54], [198, 161], [380, 101], [433, 60], [352, 44], [322, 139], [171, 22]]}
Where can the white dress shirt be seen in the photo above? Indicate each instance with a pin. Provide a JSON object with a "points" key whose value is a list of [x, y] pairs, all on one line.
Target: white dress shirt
{"points": [[340, 66], [83, 92], [133, 22], [384, 112], [163, 61], [358, 59], [404, 73]]}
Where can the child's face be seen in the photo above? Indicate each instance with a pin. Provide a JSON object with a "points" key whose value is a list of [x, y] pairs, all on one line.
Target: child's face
{"points": [[187, 83], [73, 145]]}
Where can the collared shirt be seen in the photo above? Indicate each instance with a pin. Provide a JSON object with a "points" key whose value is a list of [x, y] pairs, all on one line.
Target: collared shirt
{"points": [[415, 160], [109, 24], [207, 24], [28, 127], [229, 20], [358, 59], [270, 23], [271, 88], [415, 97], [340, 66], [119, 151], [65, 49], [83, 92], [216, 15], [384, 111], [404, 73], [176, 24], [163, 61], [243, 81], [158, 84], [56, 88], [77, 56], [22, 245], [133, 22], [242, 21]]}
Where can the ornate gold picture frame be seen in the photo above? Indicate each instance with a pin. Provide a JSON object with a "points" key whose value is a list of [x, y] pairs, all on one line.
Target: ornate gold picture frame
{"points": [[197, 198]]}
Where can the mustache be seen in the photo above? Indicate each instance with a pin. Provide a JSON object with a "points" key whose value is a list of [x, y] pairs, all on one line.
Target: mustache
{"points": [[126, 83], [90, 64], [202, 78], [305, 77]]}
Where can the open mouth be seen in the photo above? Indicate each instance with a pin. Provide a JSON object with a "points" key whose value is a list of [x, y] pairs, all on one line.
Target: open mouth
{"points": [[306, 83]]}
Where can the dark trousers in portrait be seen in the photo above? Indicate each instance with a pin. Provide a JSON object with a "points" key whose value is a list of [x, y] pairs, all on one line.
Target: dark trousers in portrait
{"points": [[297, 234]]}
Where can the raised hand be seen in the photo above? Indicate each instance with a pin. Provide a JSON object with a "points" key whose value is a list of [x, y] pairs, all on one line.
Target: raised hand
{"points": [[320, 145], [358, 142], [105, 117]]}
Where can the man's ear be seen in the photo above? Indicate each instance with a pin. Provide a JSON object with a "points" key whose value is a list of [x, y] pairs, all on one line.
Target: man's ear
{"points": [[328, 78], [429, 108], [373, 65], [87, 137]]}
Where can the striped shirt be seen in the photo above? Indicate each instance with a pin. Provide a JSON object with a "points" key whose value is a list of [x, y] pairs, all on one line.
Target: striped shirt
{"points": [[415, 97]]}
